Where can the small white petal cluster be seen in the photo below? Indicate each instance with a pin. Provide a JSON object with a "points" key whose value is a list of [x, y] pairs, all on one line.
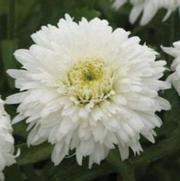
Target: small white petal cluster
{"points": [[175, 52], [118, 3], [148, 8], [6, 141], [87, 88]]}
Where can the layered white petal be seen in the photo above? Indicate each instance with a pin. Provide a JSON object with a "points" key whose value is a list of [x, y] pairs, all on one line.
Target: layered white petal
{"points": [[118, 3], [6, 141], [89, 114], [148, 8], [175, 76]]}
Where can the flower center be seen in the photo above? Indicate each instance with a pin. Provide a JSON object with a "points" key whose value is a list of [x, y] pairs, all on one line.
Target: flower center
{"points": [[86, 73], [90, 81]]}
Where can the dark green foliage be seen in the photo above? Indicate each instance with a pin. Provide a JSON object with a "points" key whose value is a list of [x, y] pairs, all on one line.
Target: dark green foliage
{"points": [[159, 162]]}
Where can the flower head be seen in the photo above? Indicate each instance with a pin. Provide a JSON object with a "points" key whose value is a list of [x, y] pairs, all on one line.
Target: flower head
{"points": [[87, 88], [6, 141], [175, 52], [148, 8]]}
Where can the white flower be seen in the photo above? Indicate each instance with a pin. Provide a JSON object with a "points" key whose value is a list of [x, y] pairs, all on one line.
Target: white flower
{"points": [[149, 8], [118, 3], [6, 141], [175, 52], [87, 88]]}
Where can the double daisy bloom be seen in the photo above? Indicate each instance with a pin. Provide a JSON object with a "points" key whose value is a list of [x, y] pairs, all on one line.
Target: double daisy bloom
{"points": [[88, 88]]}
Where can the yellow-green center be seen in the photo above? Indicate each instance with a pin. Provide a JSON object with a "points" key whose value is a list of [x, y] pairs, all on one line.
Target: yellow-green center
{"points": [[87, 73], [90, 80]]}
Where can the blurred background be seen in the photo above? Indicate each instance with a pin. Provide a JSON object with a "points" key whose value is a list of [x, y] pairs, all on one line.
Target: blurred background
{"points": [[159, 162]]}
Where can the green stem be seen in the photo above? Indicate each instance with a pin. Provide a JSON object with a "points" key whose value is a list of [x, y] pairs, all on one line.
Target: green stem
{"points": [[125, 169], [127, 172]]}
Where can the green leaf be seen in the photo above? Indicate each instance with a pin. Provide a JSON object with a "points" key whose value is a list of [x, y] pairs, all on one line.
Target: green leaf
{"points": [[33, 154], [69, 170]]}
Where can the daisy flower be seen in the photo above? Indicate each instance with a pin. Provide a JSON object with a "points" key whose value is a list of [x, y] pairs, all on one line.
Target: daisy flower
{"points": [[175, 52], [6, 141], [148, 8], [87, 88]]}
